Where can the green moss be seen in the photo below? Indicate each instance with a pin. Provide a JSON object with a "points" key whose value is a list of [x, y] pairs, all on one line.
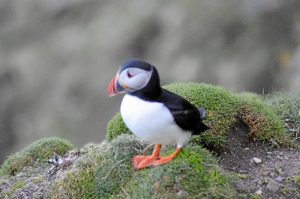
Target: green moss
{"points": [[221, 106], [224, 110], [75, 184], [193, 174], [116, 169], [221, 109], [78, 182], [116, 127], [285, 104], [260, 116], [105, 171], [100, 172], [297, 179], [255, 196], [287, 107], [39, 151]]}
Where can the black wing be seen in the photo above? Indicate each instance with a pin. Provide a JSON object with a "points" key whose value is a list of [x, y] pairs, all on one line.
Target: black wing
{"points": [[186, 115]]}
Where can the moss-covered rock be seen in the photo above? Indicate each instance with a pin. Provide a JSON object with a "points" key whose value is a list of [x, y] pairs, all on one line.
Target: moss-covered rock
{"points": [[193, 174], [38, 151], [105, 171], [100, 171], [224, 109]]}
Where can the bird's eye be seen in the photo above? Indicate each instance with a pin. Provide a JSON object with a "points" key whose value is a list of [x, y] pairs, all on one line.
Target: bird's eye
{"points": [[129, 75]]}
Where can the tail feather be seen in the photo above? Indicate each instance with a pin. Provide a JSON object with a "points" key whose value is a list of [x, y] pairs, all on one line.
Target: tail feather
{"points": [[201, 126], [202, 113]]}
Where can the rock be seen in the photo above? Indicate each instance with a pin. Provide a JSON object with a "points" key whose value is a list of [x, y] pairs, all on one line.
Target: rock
{"points": [[278, 170], [182, 194], [258, 192], [274, 143], [273, 185], [279, 179], [245, 186], [256, 160]]}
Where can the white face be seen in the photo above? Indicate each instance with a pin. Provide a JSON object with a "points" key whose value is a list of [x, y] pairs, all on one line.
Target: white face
{"points": [[132, 79]]}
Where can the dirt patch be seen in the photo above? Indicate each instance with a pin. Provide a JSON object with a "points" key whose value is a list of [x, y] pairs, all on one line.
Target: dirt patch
{"points": [[276, 176]]}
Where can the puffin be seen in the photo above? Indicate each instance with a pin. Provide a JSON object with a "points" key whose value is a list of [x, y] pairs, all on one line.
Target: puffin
{"points": [[153, 113]]}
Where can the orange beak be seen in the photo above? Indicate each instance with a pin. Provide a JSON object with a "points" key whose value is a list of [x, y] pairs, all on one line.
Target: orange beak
{"points": [[111, 89], [114, 87]]}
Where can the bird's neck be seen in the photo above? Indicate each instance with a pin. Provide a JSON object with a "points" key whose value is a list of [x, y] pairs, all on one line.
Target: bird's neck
{"points": [[149, 94]]}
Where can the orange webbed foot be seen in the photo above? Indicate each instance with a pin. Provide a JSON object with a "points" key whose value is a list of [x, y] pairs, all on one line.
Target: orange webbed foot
{"points": [[140, 161], [167, 159]]}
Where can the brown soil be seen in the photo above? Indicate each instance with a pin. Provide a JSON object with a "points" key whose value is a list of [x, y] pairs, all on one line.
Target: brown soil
{"points": [[277, 176]]}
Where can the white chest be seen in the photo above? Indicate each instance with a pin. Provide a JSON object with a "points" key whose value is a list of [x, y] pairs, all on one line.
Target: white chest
{"points": [[151, 121]]}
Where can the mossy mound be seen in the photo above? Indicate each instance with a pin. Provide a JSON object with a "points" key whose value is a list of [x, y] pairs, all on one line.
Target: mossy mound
{"points": [[37, 152], [193, 174], [224, 109], [105, 171], [261, 118], [100, 171]]}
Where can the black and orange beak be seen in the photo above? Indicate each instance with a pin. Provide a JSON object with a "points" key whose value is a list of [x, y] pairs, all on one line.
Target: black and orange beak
{"points": [[114, 87]]}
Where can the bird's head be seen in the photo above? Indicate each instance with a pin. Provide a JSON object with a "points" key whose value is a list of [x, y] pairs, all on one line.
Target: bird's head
{"points": [[133, 75]]}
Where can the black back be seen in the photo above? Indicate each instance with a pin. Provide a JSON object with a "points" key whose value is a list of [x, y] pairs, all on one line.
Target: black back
{"points": [[186, 115]]}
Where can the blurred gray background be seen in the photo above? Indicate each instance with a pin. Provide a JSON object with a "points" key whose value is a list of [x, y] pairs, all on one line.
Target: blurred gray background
{"points": [[57, 56]]}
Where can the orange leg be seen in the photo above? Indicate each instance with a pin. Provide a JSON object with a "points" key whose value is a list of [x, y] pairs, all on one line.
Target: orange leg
{"points": [[164, 160], [140, 161]]}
